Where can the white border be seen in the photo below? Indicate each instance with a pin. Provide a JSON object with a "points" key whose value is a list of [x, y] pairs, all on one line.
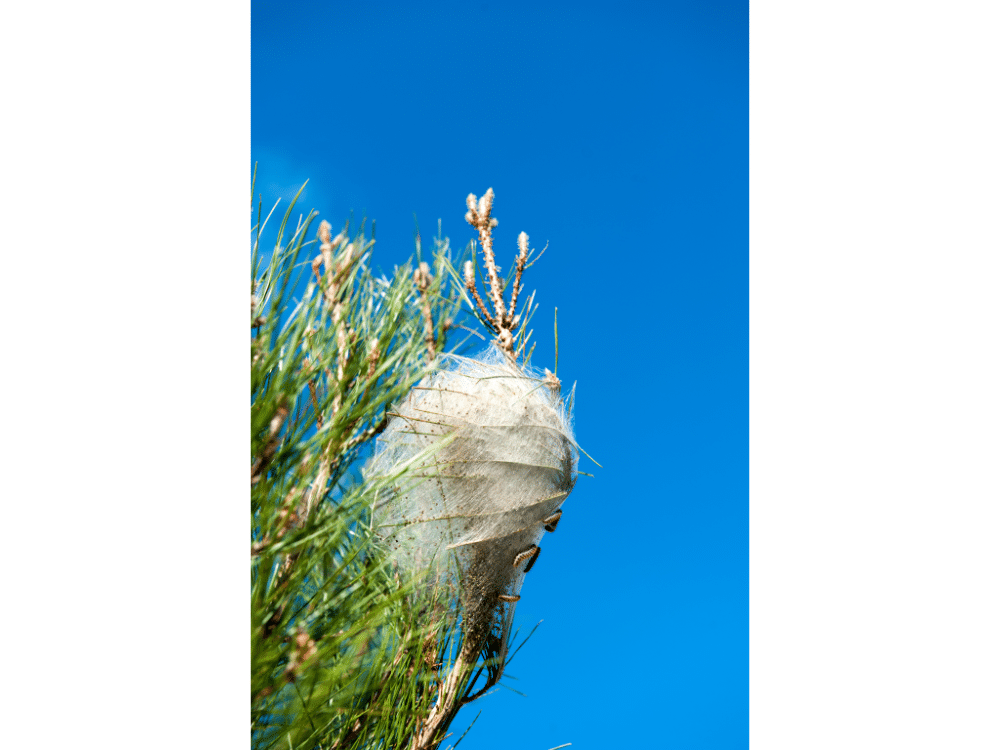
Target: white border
{"points": [[874, 375], [126, 145]]}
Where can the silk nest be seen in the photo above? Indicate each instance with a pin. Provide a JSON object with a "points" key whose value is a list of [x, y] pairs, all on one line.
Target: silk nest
{"points": [[478, 461]]}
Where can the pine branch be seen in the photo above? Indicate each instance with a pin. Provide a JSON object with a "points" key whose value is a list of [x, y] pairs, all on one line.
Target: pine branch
{"points": [[504, 320], [349, 648], [330, 353]]}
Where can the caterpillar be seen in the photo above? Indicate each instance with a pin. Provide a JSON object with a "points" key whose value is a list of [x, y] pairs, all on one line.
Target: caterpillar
{"points": [[530, 554], [552, 521]]}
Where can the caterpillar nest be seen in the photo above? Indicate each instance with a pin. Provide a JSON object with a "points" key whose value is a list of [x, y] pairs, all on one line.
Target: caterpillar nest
{"points": [[474, 507]]}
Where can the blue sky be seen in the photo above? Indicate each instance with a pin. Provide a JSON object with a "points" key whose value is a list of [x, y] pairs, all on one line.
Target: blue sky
{"points": [[617, 134]]}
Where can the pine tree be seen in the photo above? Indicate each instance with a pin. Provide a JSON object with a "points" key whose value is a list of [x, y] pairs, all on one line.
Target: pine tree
{"points": [[362, 634]]}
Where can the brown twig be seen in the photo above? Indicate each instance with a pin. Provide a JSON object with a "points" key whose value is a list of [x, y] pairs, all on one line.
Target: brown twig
{"points": [[307, 366], [366, 435], [348, 739], [503, 320], [422, 278], [478, 216], [522, 258], [448, 701], [470, 284], [335, 272], [273, 441]]}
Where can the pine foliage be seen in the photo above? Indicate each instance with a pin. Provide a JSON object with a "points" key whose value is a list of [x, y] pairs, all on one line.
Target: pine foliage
{"points": [[334, 643], [348, 649]]}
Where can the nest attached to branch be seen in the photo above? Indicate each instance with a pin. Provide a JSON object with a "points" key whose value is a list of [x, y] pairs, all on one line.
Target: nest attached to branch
{"points": [[474, 507]]}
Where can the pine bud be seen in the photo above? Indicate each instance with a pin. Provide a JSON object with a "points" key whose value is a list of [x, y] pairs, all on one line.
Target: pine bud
{"points": [[324, 232]]}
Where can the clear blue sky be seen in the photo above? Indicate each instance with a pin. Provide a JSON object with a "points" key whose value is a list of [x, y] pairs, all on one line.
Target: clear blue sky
{"points": [[617, 134]]}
